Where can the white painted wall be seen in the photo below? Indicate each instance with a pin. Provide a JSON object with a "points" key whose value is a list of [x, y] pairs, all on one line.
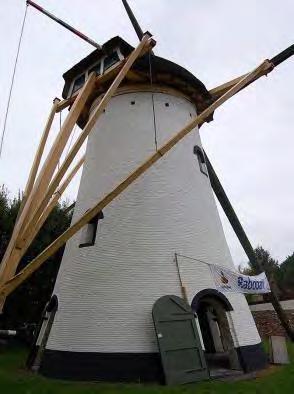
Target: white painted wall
{"points": [[106, 291]]}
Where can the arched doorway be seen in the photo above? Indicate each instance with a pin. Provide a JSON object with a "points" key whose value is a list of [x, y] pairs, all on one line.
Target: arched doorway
{"points": [[211, 308]]}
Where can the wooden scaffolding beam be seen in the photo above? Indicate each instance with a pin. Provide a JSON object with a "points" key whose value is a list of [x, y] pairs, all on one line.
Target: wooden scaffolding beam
{"points": [[38, 156], [10, 285], [19, 253], [25, 233], [8, 265], [27, 236], [146, 41]]}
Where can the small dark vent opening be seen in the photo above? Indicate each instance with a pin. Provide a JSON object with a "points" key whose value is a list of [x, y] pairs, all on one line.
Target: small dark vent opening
{"points": [[89, 231], [201, 160]]}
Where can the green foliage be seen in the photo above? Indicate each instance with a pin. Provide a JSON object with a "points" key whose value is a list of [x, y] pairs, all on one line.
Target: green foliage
{"points": [[25, 304], [263, 255], [14, 379], [287, 276], [283, 274]]}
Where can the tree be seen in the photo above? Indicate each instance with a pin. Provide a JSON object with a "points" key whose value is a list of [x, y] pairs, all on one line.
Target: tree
{"points": [[264, 255], [287, 276], [26, 303]]}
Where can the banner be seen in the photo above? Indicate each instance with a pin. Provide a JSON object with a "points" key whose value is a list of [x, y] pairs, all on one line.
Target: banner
{"points": [[226, 280]]}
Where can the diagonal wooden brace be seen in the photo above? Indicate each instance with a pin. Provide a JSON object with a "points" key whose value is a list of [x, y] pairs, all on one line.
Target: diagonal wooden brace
{"points": [[26, 234], [146, 42], [9, 262]]}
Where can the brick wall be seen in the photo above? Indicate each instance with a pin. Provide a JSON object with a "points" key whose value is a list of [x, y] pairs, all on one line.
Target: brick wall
{"points": [[266, 318]]}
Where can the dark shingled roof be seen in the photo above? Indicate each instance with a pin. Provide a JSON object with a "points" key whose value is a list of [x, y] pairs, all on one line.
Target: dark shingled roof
{"points": [[163, 70]]}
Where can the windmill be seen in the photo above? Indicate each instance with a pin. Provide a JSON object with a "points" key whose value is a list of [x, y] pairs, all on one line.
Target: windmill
{"points": [[134, 222]]}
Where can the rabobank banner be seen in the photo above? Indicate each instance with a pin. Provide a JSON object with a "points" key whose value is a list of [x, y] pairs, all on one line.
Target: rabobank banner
{"points": [[226, 280]]}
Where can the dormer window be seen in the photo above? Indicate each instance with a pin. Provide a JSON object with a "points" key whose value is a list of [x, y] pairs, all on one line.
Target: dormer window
{"points": [[96, 69], [78, 83], [110, 60], [99, 66]]}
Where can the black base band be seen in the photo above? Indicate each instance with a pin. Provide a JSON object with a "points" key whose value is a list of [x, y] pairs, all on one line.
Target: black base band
{"points": [[110, 367], [252, 357], [126, 367]]}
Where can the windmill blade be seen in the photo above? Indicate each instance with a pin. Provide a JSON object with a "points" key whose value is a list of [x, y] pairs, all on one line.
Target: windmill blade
{"points": [[64, 24], [134, 21], [229, 211], [275, 61], [282, 56]]}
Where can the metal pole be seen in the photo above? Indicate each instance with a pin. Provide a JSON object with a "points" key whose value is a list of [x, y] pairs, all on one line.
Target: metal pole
{"points": [[229, 211], [64, 24], [183, 287], [240, 233], [133, 20]]}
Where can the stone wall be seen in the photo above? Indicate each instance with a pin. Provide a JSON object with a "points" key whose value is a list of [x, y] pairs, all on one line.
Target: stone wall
{"points": [[266, 318]]}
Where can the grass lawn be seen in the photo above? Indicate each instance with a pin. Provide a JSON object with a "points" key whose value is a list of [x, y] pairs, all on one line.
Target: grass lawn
{"points": [[14, 378]]}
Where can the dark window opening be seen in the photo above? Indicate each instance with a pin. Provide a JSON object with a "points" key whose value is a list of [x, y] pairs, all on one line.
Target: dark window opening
{"points": [[201, 160], [89, 231], [110, 60], [96, 69], [167, 104], [79, 82], [133, 102]]}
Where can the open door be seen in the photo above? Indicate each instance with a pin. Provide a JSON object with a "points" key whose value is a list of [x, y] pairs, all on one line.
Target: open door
{"points": [[179, 345]]}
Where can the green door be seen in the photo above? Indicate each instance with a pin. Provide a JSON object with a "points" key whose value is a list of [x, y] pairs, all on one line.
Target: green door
{"points": [[180, 349]]}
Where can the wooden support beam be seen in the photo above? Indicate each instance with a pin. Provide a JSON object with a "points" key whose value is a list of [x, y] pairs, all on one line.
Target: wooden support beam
{"points": [[222, 89], [10, 285], [9, 262], [38, 156], [53, 202], [146, 41]]}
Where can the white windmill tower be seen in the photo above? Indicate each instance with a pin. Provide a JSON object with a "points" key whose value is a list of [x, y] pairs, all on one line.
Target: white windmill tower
{"points": [[143, 250], [123, 260]]}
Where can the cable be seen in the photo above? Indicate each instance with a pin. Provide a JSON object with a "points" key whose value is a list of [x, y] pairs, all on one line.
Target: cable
{"points": [[12, 80], [60, 124], [71, 140], [153, 106], [201, 261]]}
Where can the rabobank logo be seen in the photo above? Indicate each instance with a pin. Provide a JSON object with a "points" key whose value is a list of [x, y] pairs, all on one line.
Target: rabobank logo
{"points": [[225, 281], [249, 284]]}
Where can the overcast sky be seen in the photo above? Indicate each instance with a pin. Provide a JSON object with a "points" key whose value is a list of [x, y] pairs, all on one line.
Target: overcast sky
{"points": [[250, 142]]}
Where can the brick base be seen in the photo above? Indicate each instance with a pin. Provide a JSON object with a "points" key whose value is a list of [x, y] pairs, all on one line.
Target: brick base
{"points": [[268, 324]]}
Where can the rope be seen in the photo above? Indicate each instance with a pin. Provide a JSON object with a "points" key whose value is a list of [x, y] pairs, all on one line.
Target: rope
{"points": [[71, 140], [12, 80], [60, 124], [202, 261], [153, 106]]}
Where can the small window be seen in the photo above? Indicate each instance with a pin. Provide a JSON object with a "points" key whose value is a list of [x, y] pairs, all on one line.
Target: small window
{"points": [[110, 60], [78, 83], [96, 69], [201, 160], [89, 231]]}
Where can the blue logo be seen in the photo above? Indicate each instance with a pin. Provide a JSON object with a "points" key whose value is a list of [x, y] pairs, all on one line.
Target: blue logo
{"points": [[249, 284]]}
